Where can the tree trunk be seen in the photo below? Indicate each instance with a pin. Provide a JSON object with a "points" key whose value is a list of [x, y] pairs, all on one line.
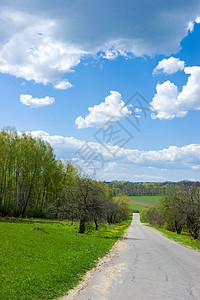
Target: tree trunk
{"points": [[96, 224], [82, 225], [178, 227]]}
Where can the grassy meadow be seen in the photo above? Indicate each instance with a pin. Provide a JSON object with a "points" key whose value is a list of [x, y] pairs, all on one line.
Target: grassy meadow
{"points": [[44, 259]]}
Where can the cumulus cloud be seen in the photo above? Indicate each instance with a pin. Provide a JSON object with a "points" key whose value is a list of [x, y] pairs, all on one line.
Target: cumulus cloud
{"points": [[188, 155], [169, 103], [169, 66], [172, 157], [33, 53], [44, 40], [191, 24], [112, 109], [63, 85], [36, 102]]}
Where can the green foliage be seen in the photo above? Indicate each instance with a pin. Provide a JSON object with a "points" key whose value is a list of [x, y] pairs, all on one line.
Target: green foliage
{"points": [[86, 200], [30, 177], [148, 188], [177, 210], [43, 259], [117, 209], [34, 184], [193, 214], [153, 216], [143, 216]]}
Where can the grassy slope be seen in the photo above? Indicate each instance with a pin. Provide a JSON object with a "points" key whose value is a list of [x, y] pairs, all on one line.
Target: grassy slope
{"points": [[183, 238], [44, 260]]}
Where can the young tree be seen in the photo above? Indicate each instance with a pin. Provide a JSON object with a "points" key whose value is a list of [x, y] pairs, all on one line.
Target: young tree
{"points": [[193, 214], [172, 209]]}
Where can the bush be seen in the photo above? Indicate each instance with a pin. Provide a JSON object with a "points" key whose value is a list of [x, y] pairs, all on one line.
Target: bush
{"points": [[151, 215]]}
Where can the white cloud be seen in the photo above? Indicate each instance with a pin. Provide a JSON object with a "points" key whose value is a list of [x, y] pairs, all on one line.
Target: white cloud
{"points": [[112, 109], [36, 102], [191, 24], [43, 40], [27, 53], [172, 157], [145, 177], [169, 66], [188, 155], [63, 85], [169, 103], [110, 167]]}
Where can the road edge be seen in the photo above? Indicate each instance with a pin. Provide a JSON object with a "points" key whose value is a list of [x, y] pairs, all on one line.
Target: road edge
{"points": [[87, 278], [172, 238]]}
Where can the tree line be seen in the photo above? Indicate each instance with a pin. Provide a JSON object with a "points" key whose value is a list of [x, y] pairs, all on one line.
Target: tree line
{"points": [[178, 210], [33, 183], [148, 188]]}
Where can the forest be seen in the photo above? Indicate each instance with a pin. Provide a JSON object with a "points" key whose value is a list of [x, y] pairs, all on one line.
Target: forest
{"points": [[33, 183], [149, 188]]}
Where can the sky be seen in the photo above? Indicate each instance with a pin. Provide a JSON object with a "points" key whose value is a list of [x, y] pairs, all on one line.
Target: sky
{"points": [[113, 86]]}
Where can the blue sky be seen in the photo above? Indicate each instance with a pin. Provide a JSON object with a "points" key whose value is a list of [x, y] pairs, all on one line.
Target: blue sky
{"points": [[72, 72]]}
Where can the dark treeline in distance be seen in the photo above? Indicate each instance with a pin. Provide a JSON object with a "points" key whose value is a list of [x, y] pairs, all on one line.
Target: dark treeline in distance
{"points": [[149, 188], [33, 183]]}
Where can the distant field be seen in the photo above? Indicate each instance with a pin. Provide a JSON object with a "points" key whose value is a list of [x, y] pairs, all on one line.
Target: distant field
{"points": [[44, 259], [135, 206], [147, 199]]}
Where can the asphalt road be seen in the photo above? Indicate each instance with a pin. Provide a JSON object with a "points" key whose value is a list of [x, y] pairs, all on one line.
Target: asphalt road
{"points": [[150, 266]]}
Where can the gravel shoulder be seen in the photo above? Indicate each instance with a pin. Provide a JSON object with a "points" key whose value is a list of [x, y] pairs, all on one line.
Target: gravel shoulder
{"points": [[84, 283]]}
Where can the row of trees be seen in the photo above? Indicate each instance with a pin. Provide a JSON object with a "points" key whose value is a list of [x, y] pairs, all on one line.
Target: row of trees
{"points": [[34, 184], [88, 200], [148, 188], [30, 176], [177, 210]]}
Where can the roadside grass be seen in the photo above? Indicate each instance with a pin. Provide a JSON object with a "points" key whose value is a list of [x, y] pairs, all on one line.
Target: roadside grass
{"points": [[183, 238], [136, 206], [43, 259], [148, 199]]}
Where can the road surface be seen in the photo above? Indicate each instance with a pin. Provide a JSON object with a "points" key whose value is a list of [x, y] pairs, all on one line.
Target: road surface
{"points": [[150, 266]]}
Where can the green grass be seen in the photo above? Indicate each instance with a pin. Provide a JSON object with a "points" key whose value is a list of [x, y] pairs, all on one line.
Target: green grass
{"points": [[44, 259], [148, 199], [135, 206], [183, 238]]}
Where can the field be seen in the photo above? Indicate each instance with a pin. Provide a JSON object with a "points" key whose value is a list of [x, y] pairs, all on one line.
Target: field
{"points": [[145, 201], [44, 259], [136, 206]]}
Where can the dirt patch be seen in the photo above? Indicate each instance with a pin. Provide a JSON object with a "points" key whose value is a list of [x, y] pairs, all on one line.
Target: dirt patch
{"points": [[118, 246], [142, 203], [108, 277]]}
